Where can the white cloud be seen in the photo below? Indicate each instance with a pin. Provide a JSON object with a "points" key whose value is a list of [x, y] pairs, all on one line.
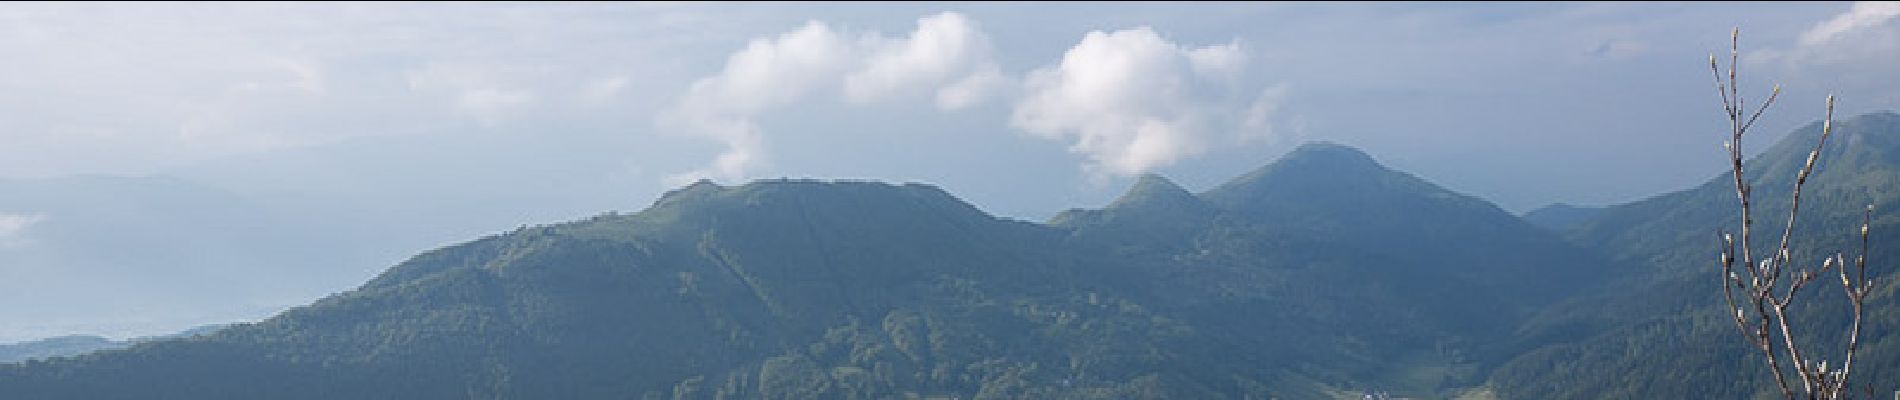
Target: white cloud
{"points": [[971, 90], [1864, 15], [1226, 61], [602, 89], [1851, 54], [13, 228], [304, 76], [486, 93], [1863, 39], [1257, 124], [139, 89], [1132, 101], [490, 100], [769, 72], [947, 54]]}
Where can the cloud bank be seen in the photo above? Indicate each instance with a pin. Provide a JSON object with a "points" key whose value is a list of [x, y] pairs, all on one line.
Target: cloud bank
{"points": [[1129, 101], [138, 89]]}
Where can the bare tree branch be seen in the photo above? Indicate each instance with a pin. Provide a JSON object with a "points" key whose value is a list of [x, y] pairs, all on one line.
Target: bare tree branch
{"points": [[1764, 291]]}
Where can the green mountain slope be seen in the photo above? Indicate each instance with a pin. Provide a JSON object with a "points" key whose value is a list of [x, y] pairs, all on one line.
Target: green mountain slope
{"points": [[1339, 194], [1320, 275], [1389, 282], [782, 289], [1660, 331]]}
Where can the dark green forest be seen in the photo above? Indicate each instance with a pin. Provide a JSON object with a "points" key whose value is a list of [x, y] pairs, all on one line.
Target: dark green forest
{"points": [[1320, 275]]}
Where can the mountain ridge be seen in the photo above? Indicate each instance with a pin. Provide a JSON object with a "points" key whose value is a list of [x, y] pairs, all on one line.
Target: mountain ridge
{"points": [[799, 288], [1318, 275]]}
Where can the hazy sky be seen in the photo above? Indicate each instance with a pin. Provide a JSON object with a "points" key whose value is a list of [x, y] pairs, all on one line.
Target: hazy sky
{"points": [[372, 131]]}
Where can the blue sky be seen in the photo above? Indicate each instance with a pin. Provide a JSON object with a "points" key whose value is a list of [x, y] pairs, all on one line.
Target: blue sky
{"points": [[367, 132]]}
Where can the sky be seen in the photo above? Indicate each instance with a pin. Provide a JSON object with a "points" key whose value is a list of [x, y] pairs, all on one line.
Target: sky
{"points": [[174, 164]]}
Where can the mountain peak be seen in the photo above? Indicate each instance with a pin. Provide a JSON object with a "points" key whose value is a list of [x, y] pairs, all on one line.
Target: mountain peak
{"points": [[1337, 188], [1314, 161], [1328, 152], [790, 196], [1152, 189], [1152, 203], [706, 190], [698, 189], [1857, 145], [1878, 130]]}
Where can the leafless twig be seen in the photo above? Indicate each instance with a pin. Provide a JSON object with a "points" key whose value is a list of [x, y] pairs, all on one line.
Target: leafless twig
{"points": [[1760, 291]]}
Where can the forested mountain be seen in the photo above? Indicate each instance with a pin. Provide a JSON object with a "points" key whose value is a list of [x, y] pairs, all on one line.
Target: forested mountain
{"points": [[1661, 331], [1364, 276], [1319, 275]]}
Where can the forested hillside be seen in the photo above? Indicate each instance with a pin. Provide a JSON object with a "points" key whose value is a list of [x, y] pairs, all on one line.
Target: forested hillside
{"points": [[1321, 275]]}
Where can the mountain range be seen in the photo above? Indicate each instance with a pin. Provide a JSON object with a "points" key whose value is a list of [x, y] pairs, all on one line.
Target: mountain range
{"points": [[72, 345], [1323, 274]]}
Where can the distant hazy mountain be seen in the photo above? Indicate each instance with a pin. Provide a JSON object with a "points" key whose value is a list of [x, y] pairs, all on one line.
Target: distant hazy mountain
{"points": [[56, 347], [256, 234], [72, 345], [118, 238], [1561, 217]]}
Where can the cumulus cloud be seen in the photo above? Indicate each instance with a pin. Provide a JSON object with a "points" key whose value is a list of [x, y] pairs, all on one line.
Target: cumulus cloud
{"points": [[769, 72], [947, 55], [947, 52], [1226, 61], [1131, 101], [13, 228], [971, 90]]}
